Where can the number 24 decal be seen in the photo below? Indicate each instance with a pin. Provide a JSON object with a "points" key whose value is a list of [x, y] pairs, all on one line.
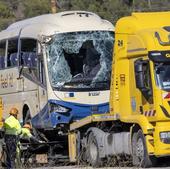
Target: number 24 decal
{"points": [[120, 42]]}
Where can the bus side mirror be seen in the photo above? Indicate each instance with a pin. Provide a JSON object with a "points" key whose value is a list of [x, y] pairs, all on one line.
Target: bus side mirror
{"points": [[20, 72]]}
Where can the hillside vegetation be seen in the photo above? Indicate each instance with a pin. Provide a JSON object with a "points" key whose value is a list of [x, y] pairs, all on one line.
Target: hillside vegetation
{"points": [[14, 10]]}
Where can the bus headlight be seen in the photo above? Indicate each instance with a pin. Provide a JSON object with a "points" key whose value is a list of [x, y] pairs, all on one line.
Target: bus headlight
{"points": [[165, 137], [58, 108]]}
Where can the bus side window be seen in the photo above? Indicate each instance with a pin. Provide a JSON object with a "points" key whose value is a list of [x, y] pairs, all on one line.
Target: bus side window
{"points": [[42, 72], [28, 53], [28, 57], [12, 57], [2, 54]]}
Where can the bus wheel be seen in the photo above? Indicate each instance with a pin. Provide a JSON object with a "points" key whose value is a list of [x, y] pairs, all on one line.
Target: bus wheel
{"points": [[27, 117], [139, 151], [92, 153]]}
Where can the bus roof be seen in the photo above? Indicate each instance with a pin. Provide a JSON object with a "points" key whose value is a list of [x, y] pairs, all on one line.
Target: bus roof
{"points": [[49, 24]]}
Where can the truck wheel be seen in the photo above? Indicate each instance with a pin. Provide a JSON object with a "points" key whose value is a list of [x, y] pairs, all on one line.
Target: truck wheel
{"points": [[139, 151], [93, 151]]}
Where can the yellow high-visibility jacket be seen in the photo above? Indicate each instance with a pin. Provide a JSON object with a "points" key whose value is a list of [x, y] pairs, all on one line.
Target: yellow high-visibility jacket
{"points": [[25, 133], [12, 126]]}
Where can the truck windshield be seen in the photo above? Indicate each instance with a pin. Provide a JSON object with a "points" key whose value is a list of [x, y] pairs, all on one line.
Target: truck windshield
{"points": [[80, 60], [162, 71]]}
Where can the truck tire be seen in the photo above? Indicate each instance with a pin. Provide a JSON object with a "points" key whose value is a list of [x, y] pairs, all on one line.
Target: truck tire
{"points": [[140, 155], [92, 153]]}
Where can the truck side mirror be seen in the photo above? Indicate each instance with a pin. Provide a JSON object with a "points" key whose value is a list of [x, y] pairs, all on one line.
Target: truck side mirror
{"points": [[142, 75], [139, 76]]}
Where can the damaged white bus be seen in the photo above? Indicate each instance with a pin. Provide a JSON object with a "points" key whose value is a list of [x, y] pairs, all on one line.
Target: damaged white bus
{"points": [[56, 68]]}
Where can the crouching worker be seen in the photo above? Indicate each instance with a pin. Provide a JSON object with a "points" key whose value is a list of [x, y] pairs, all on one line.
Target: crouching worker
{"points": [[12, 129], [26, 134]]}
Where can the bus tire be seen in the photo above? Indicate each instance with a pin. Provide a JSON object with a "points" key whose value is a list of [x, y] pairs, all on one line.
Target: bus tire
{"points": [[27, 117], [140, 157], [92, 153]]}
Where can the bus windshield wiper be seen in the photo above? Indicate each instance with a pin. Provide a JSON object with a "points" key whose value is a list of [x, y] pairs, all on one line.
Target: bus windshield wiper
{"points": [[78, 81]]}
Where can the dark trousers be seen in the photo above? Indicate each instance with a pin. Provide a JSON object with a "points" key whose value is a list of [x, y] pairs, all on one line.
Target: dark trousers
{"points": [[11, 146]]}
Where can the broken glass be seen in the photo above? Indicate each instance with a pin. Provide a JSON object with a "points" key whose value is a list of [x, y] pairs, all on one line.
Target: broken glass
{"points": [[80, 59]]}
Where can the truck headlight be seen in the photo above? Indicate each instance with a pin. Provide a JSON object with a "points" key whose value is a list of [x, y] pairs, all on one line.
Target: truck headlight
{"points": [[165, 137], [58, 108]]}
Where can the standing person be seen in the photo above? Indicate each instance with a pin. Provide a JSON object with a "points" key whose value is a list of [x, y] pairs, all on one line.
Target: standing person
{"points": [[12, 130]]}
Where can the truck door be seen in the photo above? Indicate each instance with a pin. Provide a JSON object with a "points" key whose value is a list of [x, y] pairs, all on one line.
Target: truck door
{"points": [[143, 83]]}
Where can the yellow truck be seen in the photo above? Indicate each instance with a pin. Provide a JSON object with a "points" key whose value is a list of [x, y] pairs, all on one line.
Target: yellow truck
{"points": [[138, 123]]}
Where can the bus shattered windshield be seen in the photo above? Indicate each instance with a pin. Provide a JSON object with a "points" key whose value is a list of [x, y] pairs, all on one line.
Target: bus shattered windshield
{"points": [[80, 60]]}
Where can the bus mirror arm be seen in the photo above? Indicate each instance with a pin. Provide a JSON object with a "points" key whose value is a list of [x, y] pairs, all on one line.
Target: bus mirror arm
{"points": [[45, 39], [20, 72]]}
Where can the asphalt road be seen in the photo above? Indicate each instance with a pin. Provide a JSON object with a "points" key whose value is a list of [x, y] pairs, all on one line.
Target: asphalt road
{"points": [[163, 163], [78, 167]]}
